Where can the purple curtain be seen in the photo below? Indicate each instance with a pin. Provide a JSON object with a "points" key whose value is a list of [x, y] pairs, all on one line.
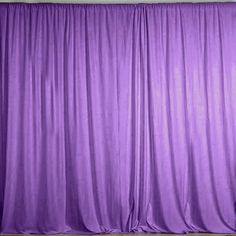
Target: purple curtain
{"points": [[117, 118]]}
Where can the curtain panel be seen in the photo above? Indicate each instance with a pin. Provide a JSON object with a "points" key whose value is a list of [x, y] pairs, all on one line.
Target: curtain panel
{"points": [[117, 118]]}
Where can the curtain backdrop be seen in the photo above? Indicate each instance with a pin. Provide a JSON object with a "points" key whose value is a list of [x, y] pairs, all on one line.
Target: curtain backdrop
{"points": [[118, 118]]}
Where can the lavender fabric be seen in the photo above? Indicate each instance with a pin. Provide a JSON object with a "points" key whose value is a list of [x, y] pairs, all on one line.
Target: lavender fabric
{"points": [[117, 118]]}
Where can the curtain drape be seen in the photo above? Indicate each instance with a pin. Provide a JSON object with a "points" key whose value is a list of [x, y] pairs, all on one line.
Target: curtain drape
{"points": [[117, 118]]}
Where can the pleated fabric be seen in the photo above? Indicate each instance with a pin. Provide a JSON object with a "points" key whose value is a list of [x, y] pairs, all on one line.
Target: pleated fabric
{"points": [[117, 118]]}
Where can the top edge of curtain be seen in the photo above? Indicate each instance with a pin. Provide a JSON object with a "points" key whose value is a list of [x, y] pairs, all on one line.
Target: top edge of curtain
{"points": [[115, 5]]}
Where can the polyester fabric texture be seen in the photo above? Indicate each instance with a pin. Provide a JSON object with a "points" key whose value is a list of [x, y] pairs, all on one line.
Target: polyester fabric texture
{"points": [[117, 118]]}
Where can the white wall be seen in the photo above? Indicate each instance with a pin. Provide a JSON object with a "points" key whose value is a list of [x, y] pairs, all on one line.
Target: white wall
{"points": [[114, 1]]}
